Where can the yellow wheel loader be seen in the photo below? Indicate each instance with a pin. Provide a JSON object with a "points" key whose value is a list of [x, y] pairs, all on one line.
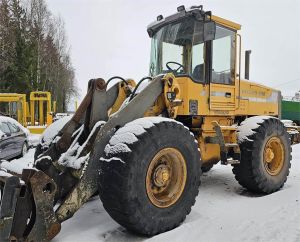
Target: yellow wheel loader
{"points": [[142, 146]]}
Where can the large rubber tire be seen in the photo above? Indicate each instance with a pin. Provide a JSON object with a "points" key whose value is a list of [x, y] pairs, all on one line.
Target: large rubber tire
{"points": [[206, 168], [251, 173], [124, 170]]}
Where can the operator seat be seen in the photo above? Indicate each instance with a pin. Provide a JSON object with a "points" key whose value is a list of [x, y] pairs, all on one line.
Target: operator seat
{"points": [[198, 73]]}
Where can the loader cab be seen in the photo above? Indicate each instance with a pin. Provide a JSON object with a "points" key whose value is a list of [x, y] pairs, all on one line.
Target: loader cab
{"points": [[192, 43], [178, 45]]}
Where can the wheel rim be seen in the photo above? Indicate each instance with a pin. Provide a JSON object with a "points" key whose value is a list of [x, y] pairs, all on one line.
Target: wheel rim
{"points": [[274, 156], [166, 177]]}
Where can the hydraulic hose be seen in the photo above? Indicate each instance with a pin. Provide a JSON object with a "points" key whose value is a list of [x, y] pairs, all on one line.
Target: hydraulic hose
{"points": [[137, 86]]}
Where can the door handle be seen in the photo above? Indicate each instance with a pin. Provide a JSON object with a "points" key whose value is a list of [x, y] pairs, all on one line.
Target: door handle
{"points": [[228, 94]]}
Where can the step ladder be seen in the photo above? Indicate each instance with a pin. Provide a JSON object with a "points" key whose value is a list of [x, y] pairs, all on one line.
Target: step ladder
{"points": [[225, 148]]}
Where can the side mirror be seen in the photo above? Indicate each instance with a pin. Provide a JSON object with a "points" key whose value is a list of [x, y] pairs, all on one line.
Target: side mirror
{"points": [[209, 30], [205, 31]]}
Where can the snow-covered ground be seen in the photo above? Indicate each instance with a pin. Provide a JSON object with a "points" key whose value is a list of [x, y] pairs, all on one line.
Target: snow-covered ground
{"points": [[224, 211], [34, 139]]}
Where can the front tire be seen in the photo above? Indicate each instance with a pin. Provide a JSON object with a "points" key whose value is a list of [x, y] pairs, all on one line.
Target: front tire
{"points": [[150, 175], [265, 155]]}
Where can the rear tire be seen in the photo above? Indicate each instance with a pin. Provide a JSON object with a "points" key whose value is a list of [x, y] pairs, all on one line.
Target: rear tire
{"points": [[265, 157], [128, 187]]}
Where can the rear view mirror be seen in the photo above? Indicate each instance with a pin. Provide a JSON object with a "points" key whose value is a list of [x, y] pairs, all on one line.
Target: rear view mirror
{"points": [[204, 31], [209, 30]]}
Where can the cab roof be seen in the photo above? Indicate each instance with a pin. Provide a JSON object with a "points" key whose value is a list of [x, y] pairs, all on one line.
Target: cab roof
{"points": [[195, 11], [226, 23]]}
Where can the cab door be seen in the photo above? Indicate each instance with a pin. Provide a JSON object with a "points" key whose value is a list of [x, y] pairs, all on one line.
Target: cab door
{"points": [[222, 76]]}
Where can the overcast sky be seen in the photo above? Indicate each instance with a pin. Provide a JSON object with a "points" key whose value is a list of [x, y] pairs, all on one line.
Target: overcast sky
{"points": [[109, 38]]}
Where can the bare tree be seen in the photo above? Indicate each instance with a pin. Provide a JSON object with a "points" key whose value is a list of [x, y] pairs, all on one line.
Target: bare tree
{"points": [[34, 53]]}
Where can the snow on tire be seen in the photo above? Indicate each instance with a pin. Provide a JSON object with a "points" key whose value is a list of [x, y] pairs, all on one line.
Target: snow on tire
{"points": [[265, 154], [135, 182]]}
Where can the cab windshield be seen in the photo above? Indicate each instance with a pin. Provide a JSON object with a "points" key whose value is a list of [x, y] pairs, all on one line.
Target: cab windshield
{"points": [[179, 48]]}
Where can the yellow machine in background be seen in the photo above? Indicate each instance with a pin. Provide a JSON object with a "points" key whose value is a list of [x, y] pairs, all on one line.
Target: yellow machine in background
{"points": [[40, 111], [14, 106], [36, 115]]}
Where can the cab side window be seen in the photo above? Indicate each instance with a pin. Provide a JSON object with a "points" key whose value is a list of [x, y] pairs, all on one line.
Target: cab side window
{"points": [[198, 62], [223, 56]]}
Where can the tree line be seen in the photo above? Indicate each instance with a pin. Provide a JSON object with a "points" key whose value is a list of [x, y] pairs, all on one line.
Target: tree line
{"points": [[34, 55]]}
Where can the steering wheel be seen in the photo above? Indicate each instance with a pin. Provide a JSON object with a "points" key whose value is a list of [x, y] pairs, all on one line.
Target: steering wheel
{"points": [[176, 63]]}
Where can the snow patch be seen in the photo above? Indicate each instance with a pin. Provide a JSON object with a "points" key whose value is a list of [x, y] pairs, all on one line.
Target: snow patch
{"points": [[289, 124], [71, 158], [77, 163], [52, 131], [18, 165], [128, 134], [78, 131], [77, 136], [3, 173], [43, 158], [149, 122], [111, 159], [293, 131], [115, 149], [143, 122], [248, 126], [34, 139], [128, 138], [96, 126]]}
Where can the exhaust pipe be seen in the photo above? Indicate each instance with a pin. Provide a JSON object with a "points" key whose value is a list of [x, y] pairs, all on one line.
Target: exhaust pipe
{"points": [[247, 64]]}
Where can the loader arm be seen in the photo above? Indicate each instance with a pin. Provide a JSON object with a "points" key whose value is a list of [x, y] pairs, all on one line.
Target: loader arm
{"points": [[27, 206], [88, 185]]}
